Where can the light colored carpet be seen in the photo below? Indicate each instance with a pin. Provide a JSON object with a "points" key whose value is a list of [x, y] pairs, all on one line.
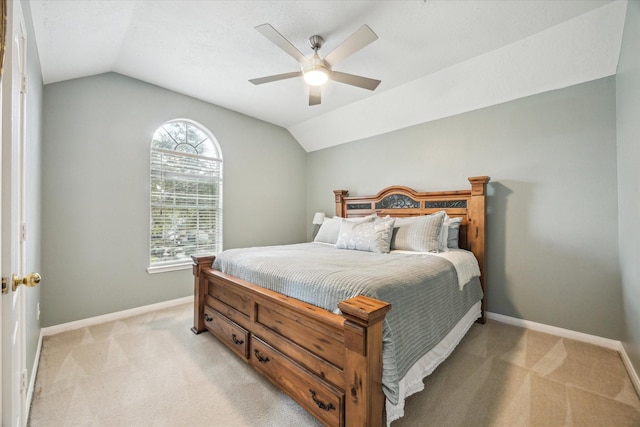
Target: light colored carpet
{"points": [[151, 370]]}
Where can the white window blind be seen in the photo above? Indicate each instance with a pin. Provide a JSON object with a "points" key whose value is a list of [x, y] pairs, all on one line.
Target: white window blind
{"points": [[186, 195]]}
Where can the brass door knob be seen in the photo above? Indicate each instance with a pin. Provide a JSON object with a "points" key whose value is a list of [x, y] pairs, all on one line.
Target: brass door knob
{"points": [[30, 280]]}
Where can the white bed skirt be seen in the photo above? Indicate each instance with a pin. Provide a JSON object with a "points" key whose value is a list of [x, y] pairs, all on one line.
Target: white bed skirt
{"points": [[413, 380]]}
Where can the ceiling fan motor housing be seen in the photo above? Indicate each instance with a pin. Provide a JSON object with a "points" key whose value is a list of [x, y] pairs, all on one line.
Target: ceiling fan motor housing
{"points": [[316, 42]]}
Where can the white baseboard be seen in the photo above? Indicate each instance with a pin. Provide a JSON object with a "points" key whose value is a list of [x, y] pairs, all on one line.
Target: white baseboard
{"points": [[630, 369], [64, 327], [578, 336], [552, 330]]}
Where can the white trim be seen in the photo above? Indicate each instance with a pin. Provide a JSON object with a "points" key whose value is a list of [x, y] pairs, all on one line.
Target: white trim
{"points": [[169, 267], [578, 336], [565, 333], [64, 327], [630, 369]]}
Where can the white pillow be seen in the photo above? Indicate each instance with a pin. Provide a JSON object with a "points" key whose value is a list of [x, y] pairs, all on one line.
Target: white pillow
{"points": [[448, 238], [453, 233], [419, 233], [330, 228], [366, 236]]}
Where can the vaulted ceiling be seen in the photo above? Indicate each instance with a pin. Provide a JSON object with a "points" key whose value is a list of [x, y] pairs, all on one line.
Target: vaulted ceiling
{"points": [[434, 58]]}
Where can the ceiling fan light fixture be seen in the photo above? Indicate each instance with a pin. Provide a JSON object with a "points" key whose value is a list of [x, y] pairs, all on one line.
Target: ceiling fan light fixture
{"points": [[317, 73], [316, 76]]}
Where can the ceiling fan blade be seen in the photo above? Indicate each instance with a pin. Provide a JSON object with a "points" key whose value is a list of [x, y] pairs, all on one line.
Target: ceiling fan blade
{"points": [[353, 80], [314, 95], [352, 44], [275, 78], [278, 39]]}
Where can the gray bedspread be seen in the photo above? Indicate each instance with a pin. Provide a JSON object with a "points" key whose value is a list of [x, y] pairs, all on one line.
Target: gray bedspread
{"points": [[422, 289]]}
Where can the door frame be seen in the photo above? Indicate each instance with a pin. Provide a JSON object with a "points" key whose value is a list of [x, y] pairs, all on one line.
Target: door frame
{"points": [[12, 218], [3, 35]]}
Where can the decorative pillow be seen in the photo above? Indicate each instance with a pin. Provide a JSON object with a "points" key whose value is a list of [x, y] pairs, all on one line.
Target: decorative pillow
{"points": [[366, 236], [443, 236], [453, 233], [420, 233], [330, 228], [449, 231]]}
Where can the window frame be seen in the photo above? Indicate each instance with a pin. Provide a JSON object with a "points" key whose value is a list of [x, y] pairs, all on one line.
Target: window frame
{"points": [[185, 263]]}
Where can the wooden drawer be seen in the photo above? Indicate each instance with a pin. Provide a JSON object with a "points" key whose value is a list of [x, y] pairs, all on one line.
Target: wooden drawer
{"points": [[321, 399], [230, 333]]}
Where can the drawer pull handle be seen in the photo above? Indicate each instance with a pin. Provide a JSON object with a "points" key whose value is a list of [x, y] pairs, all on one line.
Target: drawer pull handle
{"points": [[260, 358], [320, 404], [207, 318], [236, 340]]}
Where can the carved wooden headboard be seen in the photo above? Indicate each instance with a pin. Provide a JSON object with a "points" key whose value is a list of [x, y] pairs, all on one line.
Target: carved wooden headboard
{"points": [[398, 201]]}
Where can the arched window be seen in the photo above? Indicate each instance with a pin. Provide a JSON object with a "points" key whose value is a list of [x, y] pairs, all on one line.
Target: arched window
{"points": [[186, 195]]}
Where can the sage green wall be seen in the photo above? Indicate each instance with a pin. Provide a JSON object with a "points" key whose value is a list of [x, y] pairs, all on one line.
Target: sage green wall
{"points": [[95, 202], [552, 247], [628, 126]]}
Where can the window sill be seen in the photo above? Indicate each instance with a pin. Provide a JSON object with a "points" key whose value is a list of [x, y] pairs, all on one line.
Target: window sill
{"points": [[172, 267]]}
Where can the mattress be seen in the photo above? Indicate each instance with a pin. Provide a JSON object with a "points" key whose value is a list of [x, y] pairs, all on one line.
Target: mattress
{"points": [[424, 291]]}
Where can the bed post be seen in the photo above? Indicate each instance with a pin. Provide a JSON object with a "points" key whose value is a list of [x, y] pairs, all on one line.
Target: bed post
{"points": [[364, 399], [476, 213], [341, 208], [199, 290]]}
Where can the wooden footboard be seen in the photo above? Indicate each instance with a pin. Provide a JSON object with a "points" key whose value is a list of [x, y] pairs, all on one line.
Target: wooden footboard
{"points": [[330, 364]]}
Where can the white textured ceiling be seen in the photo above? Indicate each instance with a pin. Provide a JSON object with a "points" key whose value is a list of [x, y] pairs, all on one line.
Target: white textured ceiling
{"points": [[435, 58]]}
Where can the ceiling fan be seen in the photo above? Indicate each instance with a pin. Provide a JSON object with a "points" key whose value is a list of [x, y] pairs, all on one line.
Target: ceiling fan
{"points": [[315, 70]]}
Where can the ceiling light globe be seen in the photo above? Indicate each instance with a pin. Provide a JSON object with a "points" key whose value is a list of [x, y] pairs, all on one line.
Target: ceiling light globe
{"points": [[316, 77]]}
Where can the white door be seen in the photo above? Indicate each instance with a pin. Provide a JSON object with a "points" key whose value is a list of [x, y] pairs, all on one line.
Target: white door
{"points": [[12, 253], [5, 283]]}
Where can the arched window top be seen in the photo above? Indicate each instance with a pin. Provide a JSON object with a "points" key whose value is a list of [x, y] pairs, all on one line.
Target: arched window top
{"points": [[186, 136]]}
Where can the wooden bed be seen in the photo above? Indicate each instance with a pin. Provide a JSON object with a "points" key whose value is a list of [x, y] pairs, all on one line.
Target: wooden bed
{"points": [[330, 364]]}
